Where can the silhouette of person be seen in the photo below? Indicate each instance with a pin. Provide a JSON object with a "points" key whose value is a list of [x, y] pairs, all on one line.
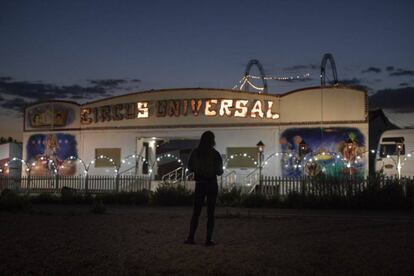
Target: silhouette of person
{"points": [[206, 163]]}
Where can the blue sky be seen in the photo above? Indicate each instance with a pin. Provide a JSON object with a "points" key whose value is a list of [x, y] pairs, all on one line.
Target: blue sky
{"points": [[167, 44]]}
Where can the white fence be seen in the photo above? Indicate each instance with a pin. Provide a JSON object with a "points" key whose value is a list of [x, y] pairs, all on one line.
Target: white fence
{"points": [[321, 186], [86, 184]]}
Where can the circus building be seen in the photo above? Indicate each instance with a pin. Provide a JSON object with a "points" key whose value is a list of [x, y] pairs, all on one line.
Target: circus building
{"points": [[312, 131], [319, 130]]}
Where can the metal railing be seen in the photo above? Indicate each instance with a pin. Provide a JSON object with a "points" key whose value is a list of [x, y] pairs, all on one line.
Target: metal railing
{"points": [[176, 175], [251, 181], [228, 180]]}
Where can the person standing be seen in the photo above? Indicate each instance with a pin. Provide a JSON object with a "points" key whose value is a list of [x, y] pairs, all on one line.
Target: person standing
{"points": [[206, 163]]}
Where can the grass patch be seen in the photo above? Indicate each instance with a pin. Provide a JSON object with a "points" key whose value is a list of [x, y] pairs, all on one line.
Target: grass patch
{"points": [[11, 201], [172, 196]]}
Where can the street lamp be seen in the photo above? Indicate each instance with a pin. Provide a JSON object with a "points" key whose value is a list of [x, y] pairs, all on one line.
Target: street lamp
{"points": [[260, 148]]}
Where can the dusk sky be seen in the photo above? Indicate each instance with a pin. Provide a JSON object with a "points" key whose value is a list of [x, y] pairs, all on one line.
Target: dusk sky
{"points": [[84, 50]]}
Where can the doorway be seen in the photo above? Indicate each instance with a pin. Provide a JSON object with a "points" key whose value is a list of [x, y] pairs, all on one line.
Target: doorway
{"points": [[163, 155]]}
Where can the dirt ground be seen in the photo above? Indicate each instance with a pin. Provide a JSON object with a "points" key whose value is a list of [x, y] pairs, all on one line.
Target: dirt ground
{"points": [[69, 240]]}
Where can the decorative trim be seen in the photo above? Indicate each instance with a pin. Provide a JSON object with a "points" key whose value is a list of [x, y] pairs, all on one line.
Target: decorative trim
{"points": [[201, 126], [224, 125], [53, 130]]}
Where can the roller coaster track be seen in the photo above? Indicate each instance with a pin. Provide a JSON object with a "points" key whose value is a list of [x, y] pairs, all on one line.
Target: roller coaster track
{"points": [[328, 57]]}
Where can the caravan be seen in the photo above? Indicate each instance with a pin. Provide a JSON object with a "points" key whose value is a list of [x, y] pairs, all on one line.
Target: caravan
{"points": [[395, 153]]}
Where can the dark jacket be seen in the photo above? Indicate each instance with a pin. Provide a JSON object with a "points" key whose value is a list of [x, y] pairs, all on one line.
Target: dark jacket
{"points": [[205, 165]]}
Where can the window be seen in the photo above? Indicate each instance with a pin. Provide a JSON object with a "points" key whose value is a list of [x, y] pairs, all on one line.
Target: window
{"points": [[390, 149], [112, 153], [243, 157], [393, 139]]}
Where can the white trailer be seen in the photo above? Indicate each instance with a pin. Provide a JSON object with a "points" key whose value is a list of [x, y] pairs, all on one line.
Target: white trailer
{"points": [[395, 153], [8, 151]]}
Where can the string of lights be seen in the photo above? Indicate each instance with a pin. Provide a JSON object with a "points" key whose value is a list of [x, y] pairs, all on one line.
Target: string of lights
{"points": [[243, 155], [92, 162], [170, 156], [254, 86], [243, 82], [246, 80], [309, 158], [315, 157], [284, 78]]}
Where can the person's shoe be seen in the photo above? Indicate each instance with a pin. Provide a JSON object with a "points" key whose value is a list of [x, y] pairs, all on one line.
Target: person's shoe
{"points": [[210, 243], [189, 241]]}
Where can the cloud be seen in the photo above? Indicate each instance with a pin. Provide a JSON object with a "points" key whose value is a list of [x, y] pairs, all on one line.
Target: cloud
{"points": [[372, 70], [41, 91], [16, 104], [5, 78], [401, 72], [404, 84], [29, 90], [77, 97], [399, 100], [24, 92], [302, 67], [355, 83], [390, 68], [110, 83]]}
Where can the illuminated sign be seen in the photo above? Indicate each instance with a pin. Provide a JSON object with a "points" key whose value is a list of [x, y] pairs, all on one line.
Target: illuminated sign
{"points": [[48, 118], [50, 115], [180, 107]]}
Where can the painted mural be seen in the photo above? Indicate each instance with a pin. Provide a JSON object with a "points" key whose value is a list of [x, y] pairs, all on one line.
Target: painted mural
{"points": [[57, 147], [332, 152], [50, 116]]}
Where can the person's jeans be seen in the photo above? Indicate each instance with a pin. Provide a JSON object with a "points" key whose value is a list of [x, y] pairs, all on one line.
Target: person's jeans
{"points": [[203, 189]]}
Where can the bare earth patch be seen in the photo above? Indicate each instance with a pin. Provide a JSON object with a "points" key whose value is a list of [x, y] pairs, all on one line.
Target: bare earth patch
{"points": [[68, 240]]}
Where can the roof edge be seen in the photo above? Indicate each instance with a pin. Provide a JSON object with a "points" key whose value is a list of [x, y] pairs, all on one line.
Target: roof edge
{"points": [[222, 89]]}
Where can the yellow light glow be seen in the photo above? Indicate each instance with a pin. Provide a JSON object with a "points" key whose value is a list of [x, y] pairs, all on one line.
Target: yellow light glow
{"points": [[269, 113], [196, 106], [209, 110], [241, 108], [257, 110], [225, 107], [85, 116], [143, 111]]}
